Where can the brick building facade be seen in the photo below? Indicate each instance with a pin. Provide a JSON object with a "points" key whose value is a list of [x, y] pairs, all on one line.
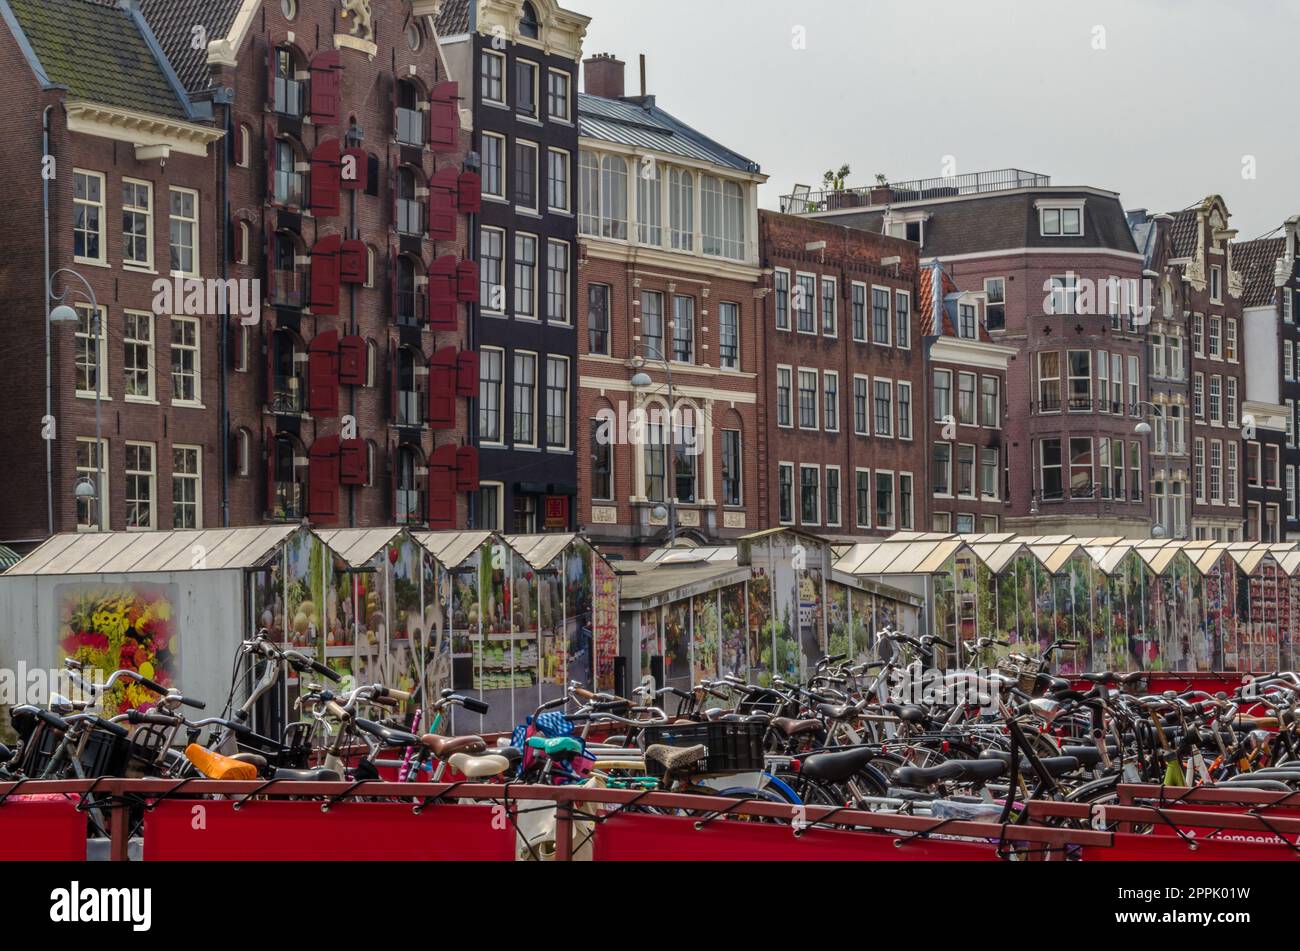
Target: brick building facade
{"points": [[670, 290]]}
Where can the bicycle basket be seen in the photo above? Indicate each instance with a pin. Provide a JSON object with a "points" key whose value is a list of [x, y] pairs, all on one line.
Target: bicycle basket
{"points": [[1026, 679], [734, 747], [105, 754]]}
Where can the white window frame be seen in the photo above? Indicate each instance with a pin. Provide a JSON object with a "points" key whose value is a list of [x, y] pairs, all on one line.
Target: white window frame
{"points": [[839, 497], [567, 117], [102, 205], [911, 502], [1060, 207], [501, 398], [101, 379], [827, 405], [551, 155], [790, 396], [514, 409], [834, 314], [871, 505], [149, 346], [794, 493], [172, 218], [536, 206], [197, 350], [503, 167], [817, 398], [900, 341], [196, 478], [525, 236], [899, 387], [565, 402], [502, 80], [566, 319], [152, 475], [817, 519], [889, 315], [147, 213], [505, 260], [888, 384], [90, 471], [893, 500]]}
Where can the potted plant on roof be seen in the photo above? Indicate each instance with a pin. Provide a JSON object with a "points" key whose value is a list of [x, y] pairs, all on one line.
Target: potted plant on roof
{"points": [[833, 188]]}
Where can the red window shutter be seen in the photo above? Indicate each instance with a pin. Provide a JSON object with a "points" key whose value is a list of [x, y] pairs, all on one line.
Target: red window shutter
{"points": [[354, 174], [467, 373], [325, 256], [323, 375], [269, 139], [323, 481], [442, 389], [352, 361], [326, 181], [467, 282], [467, 469], [442, 205], [354, 462], [352, 264], [325, 85], [444, 117], [469, 193], [442, 488], [444, 309]]}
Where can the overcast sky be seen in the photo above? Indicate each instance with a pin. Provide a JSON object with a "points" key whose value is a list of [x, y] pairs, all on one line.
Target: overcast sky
{"points": [[1165, 113]]}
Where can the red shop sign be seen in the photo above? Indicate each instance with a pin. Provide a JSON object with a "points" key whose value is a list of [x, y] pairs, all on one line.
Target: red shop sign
{"points": [[557, 512]]}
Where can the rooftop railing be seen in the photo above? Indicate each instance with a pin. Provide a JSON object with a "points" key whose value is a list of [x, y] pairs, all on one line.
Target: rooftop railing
{"points": [[806, 201]]}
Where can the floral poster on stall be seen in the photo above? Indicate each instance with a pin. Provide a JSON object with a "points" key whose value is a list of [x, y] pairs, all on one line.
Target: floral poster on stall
{"points": [[604, 619], [110, 627]]}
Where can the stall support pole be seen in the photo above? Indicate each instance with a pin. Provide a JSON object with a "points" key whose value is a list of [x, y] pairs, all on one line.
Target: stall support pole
{"points": [[119, 830]]}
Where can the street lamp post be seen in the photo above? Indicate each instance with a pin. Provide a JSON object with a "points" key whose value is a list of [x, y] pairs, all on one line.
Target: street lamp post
{"points": [[641, 381], [65, 314], [1144, 429]]}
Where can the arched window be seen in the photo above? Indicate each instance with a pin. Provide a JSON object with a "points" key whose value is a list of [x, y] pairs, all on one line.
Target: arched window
{"points": [[410, 206], [243, 241], [602, 195], [681, 209], [370, 266], [243, 452], [410, 487], [288, 89], [370, 463], [372, 365], [528, 25], [409, 118], [244, 158]]}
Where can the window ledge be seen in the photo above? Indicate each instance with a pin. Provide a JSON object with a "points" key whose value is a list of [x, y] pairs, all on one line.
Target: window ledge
{"points": [[138, 268], [190, 404], [141, 400], [87, 395]]}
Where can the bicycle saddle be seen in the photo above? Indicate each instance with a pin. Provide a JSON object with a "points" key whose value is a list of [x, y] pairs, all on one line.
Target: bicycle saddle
{"points": [[557, 745], [1055, 765], [386, 734], [791, 727], [479, 767], [444, 746], [837, 766], [675, 759], [253, 759], [955, 770], [318, 775]]}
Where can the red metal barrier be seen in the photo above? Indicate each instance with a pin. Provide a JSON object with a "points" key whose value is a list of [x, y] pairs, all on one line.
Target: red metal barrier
{"points": [[1159, 848], [42, 831], [213, 831], [640, 838]]}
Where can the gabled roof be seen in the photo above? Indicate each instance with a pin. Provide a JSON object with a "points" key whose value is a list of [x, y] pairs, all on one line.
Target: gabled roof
{"points": [[103, 53], [453, 18], [637, 122], [173, 22], [1257, 263], [1182, 232], [147, 552]]}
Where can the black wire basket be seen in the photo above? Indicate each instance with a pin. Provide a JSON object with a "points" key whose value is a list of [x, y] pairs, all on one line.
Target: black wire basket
{"points": [[734, 746]]}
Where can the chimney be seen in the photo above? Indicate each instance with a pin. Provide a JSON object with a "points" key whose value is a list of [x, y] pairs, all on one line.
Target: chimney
{"points": [[603, 76]]}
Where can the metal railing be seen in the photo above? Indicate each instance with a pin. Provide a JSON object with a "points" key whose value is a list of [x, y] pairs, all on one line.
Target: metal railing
{"points": [[806, 201]]}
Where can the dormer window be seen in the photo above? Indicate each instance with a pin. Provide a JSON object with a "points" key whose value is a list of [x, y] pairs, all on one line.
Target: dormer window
{"points": [[966, 321], [1061, 220], [528, 25], [910, 228]]}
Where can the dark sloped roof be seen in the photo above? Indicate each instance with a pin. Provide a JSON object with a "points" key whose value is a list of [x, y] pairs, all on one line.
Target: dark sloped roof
{"points": [[1257, 263], [639, 122], [453, 18], [99, 53], [1182, 232], [996, 221], [173, 22]]}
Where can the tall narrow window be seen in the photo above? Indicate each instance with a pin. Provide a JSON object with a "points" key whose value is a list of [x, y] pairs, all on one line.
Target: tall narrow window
{"points": [[525, 399], [137, 355], [832, 496], [830, 401], [807, 399], [905, 489], [885, 500], [781, 302], [1049, 382], [491, 77], [681, 215], [860, 313], [830, 308], [1050, 469], [784, 397], [557, 95], [902, 320], [557, 282], [805, 303], [785, 492], [526, 175], [186, 366], [525, 276], [880, 315], [810, 495], [137, 224], [729, 336], [493, 175], [141, 494], [526, 88], [92, 464], [187, 487], [557, 402], [185, 231], [995, 308], [602, 461], [598, 318], [88, 217], [684, 329], [942, 395], [652, 323], [904, 400], [491, 394], [884, 403], [732, 467], [649, 205]]}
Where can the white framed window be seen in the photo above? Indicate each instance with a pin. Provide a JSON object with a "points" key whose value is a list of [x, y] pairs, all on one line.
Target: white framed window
{"points": [[968, 399], [88, 244], [1232, 476], [810, 492], [681, 222], [781, 298], [1230, 401], [990, 470], [141, 487], [1198, 468], [1198, 335], [557, 180], [602, 195], [557, 403], [1216, 337], [1288, 360], [187, 375], [1061, 221], [92, 514], [807, 399], [683, 329], [861, 405], [525, 276], [496, 167], [1216, 283], [558, 308], [995, 305], [784, 397], [491, 395], [137, 224], [492, 70], [1216, 471], [525, 176], [885, 511], [941, 470], [906, 502], [92, 352], [492, 270], [524, 429], [966, 464], [903, 400], [187, 487], [830, 307], [138, 355], [558, 100], [1230, 340], [729, 335], [990, 402], [805, 303], [722, 216], [833, 496], [862, 498], [880, 316], [785, 492], [1065, 294], [830, 401], [883, 402], [967, 321], [491, 511], [649, 202], [602, 460], [903, 320], [859, 316], [526, 91], [185, 231], [733, 467]]}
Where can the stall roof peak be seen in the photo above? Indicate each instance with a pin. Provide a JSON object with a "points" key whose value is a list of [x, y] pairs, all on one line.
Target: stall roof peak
{"points": [[212, 549]]}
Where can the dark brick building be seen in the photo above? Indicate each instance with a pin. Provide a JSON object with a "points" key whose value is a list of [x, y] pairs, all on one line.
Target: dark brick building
{"points": [[517, 63], [1061, 277], [844, 402], [128, 165], [670, 287]]}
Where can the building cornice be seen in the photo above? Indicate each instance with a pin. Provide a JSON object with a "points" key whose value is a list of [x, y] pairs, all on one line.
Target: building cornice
{"points": [[641, 256], [144, 131], [989, 356]]}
